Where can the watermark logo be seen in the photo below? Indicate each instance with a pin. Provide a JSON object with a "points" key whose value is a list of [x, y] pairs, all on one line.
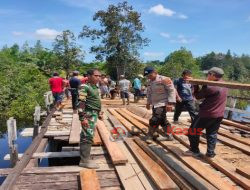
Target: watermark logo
{"points": [[118, 133]]}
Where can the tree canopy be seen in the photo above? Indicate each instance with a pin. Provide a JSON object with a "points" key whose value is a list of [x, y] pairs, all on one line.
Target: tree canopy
{"points": [[119, 38]]}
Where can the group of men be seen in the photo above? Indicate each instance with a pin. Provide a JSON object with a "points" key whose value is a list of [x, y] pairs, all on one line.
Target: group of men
{"points": [[161, 92]]}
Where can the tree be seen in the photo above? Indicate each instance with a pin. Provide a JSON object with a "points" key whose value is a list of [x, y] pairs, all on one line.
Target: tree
{"points": [[68, 52], [177, 61], [119, 37]]}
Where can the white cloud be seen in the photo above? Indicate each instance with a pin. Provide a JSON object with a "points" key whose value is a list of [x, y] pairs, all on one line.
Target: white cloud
{"points": [[46, 33], [165, 35], [181, 39], [161, 10], [15, 33], [153, 54], [182, 16]]}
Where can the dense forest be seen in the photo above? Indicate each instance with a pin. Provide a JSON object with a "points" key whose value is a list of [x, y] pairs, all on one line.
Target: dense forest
{"points": [[24, 70]]}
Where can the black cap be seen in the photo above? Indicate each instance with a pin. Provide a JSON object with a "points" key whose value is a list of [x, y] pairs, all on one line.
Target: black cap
{"points": [[148, 70]]}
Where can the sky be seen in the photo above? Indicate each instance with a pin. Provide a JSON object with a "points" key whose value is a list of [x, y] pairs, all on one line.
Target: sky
{"points": [[200, 26]]}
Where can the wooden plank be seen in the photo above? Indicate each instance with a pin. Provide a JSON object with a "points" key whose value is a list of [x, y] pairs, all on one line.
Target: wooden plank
{"points": [[219, 163], [128, 125], [242, 147], [220, 84], [89, 179], [237, 138], [42, 146], [186, 161], [237, 125], [97, 139], [156, 173], [172, 174], [128, 178], [198, 167], [12, 177], [77, 148], [67, 154], [57, 169], [190, 176], [244, 172], [28, 132], [75, 131], [117, 156], [130, 174], [136, 123]]}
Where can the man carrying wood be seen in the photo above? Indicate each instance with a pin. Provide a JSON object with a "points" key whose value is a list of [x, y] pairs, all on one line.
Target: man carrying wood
{"points": [[210, 114], [89, 109], [160, 93]]}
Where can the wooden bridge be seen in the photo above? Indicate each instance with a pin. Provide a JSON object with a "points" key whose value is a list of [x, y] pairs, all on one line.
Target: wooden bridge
{"points": [[128, 163]]}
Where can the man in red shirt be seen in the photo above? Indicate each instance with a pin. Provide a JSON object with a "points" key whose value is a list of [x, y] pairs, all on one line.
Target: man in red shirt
{"points": [[56, 86]]}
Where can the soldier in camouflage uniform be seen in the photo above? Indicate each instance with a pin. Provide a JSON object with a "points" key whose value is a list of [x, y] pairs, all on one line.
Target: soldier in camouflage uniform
{"points": [[89, 110]]}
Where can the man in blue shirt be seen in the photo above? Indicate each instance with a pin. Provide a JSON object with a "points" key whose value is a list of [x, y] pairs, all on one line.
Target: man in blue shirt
{"points": [[184, 96], [137, 88], [74, 83]]}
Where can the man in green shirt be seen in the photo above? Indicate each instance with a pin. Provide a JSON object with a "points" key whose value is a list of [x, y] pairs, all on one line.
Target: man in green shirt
{"points": [[89, 110]]}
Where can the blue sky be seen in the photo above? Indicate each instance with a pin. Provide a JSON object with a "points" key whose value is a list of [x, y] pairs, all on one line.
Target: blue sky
{"points": [[201, 26]]}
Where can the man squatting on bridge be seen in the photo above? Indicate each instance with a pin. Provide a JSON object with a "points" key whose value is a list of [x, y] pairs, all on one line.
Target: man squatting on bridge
{"points": [[161, 92], [89, 110]]}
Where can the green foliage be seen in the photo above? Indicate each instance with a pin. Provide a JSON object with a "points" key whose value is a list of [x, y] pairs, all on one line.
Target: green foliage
{"points": [[119, 37], [68, 52], [177, 61], [22, 85]]}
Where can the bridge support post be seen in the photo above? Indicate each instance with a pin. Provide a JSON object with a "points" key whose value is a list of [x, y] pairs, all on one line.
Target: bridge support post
{"points": [[12, 137], [37, 116], [232, 104]]}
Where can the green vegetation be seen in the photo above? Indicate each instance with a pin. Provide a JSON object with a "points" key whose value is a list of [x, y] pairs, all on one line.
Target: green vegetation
{"points": [[24, 71]]}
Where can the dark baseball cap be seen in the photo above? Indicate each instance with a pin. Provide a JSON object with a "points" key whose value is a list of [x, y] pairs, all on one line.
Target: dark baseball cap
{"points": [[148, 70]]}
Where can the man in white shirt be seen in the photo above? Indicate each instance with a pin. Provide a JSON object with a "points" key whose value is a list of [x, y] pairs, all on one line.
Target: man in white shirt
{"points": [[124, 86], [160, 93]]}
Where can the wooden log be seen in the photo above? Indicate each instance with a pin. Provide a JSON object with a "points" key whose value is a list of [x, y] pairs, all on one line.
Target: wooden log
{"points": [[220, 84], [244, 172], [117, 156], [42, 146], [172, 174], [75, 131], [97, 139], [156, 173], [237, 125], [89, 180], [11, 179]]}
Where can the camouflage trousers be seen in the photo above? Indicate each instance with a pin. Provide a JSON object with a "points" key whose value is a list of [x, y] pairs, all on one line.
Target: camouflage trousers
{"points": [[87, 133]]}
